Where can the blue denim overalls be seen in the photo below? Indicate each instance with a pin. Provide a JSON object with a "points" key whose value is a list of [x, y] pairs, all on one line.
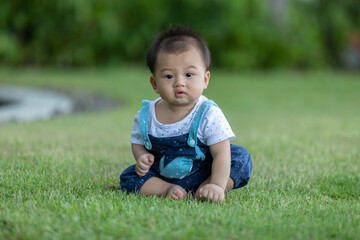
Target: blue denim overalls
{"points": [[183, 160]]}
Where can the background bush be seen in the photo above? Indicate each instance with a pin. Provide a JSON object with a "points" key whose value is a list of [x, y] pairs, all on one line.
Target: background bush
{"points": [[241, 34]]}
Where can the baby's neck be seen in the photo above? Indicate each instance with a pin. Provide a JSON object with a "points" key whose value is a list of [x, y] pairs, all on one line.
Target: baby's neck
{"points": [[168, 114]]}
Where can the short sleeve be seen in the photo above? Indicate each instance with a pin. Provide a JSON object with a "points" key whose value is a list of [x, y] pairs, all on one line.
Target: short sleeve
{"points": [[135, 133], [215, 128]]}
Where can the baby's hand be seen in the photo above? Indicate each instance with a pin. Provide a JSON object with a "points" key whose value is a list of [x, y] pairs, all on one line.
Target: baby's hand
{"points": [[212, 192], [143, 164]]}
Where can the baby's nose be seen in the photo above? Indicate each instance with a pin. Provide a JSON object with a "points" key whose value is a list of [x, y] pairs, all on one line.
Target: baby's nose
{"points": [[180, 81]]}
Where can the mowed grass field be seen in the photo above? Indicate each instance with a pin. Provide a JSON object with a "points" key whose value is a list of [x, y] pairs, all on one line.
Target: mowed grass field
{"points": [[59, 179]]}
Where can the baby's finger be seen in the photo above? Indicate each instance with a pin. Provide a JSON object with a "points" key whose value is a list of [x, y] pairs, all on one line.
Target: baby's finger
{"points": [[151, 159], [148, 163], [216, 198], [222, 197], [140, 172], [200, 192], [211, 196], [205, 193], [143, 166]]}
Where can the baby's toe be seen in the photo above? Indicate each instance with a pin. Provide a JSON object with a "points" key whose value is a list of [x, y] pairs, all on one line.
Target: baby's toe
{"points": [[177, 194]]}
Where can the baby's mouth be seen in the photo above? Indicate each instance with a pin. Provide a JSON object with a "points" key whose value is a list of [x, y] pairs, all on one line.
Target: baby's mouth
{"points": [[180, 93]]}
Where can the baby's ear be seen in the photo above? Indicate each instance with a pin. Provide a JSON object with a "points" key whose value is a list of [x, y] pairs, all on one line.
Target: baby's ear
{"points": [[153, 83], [206, 79]]}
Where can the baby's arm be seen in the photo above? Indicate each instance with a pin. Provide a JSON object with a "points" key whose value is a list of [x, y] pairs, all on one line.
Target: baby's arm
{"points": [[143, 158], [220, 172]]}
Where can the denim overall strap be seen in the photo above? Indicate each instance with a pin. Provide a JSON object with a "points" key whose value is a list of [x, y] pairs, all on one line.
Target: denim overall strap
{"points": [[143, 123], [192, 140]]}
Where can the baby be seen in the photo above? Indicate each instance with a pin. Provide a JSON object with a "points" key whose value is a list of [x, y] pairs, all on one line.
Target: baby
{"points": [[181, 141]]}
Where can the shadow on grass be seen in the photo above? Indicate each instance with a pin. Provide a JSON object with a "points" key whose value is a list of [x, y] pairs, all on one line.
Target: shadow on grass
{"points": [[191, 197], [113, 187]]}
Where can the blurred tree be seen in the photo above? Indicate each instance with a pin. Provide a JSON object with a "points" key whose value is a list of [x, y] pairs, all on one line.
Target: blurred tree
{"points": [[241, 34]]}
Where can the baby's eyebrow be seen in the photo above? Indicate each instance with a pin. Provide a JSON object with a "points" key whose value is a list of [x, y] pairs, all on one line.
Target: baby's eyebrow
{"points": [[165, 69], [191, 66]]}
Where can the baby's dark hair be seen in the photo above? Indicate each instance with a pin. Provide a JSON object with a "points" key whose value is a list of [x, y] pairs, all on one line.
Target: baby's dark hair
{"points": [[178, 39]]}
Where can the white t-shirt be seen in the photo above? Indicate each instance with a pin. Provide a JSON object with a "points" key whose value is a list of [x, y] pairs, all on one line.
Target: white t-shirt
{"points": [[213, 128]]}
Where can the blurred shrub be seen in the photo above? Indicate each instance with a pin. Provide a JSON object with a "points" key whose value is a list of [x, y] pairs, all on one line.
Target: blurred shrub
{"points": [[241, 34]]}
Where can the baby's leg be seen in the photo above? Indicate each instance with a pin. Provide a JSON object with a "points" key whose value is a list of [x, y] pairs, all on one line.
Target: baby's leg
{"points": [[159, 187], [150, 184], [241, 167]]}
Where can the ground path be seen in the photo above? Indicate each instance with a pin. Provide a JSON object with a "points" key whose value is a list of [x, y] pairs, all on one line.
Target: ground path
{"points": [[24, 104]]}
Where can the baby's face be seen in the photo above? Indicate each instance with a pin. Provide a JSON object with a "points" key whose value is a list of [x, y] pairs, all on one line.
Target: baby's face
{"points": [[180, 78]]}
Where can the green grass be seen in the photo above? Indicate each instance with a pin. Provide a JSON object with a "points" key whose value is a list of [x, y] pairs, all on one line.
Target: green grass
{"points": [[302, 130]]}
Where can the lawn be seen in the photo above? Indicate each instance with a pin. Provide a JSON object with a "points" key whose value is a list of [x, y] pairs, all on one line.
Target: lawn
{"points": [[59, 178]]}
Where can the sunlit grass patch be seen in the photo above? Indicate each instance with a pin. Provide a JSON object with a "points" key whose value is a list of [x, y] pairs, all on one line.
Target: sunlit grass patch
{"points": [[59, 179]]}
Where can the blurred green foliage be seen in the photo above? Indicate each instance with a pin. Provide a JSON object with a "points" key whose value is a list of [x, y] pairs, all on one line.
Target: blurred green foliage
{"points": [[241, 34]]}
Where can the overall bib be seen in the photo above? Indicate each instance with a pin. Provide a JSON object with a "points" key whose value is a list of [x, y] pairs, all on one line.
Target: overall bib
{"points": [[183, 160]]}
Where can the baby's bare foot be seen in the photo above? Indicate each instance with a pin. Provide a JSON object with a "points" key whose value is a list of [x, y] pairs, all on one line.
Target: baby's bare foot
{"points": [[176, 192]]}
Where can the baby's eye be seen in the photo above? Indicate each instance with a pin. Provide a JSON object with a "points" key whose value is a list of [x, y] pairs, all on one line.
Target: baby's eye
{"points": [[189, 75], [169, 76]]}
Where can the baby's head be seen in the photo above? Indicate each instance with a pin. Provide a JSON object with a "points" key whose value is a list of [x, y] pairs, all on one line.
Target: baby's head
{"points": [[178, 40]]}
